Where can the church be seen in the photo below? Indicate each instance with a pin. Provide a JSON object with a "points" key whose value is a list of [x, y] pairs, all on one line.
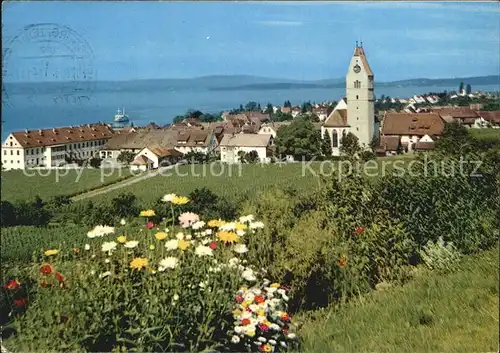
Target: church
{"points": [[356, 112]]}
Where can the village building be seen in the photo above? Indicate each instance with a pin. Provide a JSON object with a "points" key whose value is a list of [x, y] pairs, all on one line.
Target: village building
{"points": [[463, 115], [492, 118], [231, 145], [410, 129], [356, 112], [321, 112], [50, 148], [155, 157], [272, 128]]}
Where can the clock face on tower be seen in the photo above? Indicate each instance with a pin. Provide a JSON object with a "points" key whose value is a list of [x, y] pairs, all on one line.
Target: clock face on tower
{"points": [[357, 68]]}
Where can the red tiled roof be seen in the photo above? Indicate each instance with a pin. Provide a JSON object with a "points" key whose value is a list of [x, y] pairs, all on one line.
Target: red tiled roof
{"points": [[63, 135], [389, 143], [418, 124], [425, 145], [490, 116]]}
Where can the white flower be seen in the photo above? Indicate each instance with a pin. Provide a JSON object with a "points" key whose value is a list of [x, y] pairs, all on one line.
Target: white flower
{"points": [[180, 236], [123, 222], [202, 284], [168, 262], [234, 262], [228, 226], [172, 244], [87, 247], [104, 274], [283, 344], [205, 241], [261, 339], [208, 232], [240, 232], [285, 297], [109, 246], [256, 225], [281, 291], [198, 225], [175, 298], [240, 248], [253, 307], [203, 251], [100, 231], [248, 275], [238, 329], [107, 261], [272, 342], [275, 327], [92, 272], [168, 197], [167, 230], [245, 219], [131, 244], [188, 237], [235, 339], [291, 336]]}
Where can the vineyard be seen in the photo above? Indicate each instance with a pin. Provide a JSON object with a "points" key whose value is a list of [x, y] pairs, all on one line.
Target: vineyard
{"points": [[25, 185]]}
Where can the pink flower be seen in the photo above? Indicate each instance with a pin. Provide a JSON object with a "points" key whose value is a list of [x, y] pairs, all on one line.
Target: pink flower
{"points": [[188, 218], [149, 225]]}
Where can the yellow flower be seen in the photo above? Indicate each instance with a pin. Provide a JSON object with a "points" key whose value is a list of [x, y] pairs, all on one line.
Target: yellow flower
{"points": [[241, 226], [215, 223], [122, 239], [228, 237], [246, 303], [147, 213], [236, 312], [51, 252], [267, 348], [138, 263], [250, 333], [152, 247], [180, 200], [275, 285], [261, 312], [183, 244], [160, 235]]}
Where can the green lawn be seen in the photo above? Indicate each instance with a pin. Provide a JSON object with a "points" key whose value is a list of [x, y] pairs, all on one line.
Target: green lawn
{"points": [[25, 185], [236, 181], [455, 312], [486, 134]]}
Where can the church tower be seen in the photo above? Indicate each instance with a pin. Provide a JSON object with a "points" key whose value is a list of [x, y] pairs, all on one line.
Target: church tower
{"points": [[360, 97]]}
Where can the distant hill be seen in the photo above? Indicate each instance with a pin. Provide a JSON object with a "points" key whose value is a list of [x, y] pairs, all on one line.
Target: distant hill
{"points": [[233, 82]]}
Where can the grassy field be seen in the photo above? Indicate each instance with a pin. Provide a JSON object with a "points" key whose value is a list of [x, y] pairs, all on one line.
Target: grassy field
{"points": [[486, 134], [238, 180], [20, 185], [455, 312]]}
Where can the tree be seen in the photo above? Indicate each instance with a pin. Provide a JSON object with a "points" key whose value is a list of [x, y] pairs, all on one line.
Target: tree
{"points": [[349, 145], [8, 214], [178, 119], [306, 107], [456, 140], [269, 109], [126, 157], [95, 162], [468, 90], [326, 145], [460, 88], [298, 139], [194, 157], [287, 104], [374, 143], [251, 106], [252, 157]]}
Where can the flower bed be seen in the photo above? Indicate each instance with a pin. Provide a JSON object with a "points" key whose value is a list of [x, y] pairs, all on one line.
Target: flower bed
{"points": [[182, 284]]}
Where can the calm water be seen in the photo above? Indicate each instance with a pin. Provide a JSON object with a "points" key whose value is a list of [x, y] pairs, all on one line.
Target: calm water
{"points": [[41, 111]]}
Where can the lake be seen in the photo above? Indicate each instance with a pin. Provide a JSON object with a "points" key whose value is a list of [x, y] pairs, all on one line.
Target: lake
{"points": [[22, 111]]}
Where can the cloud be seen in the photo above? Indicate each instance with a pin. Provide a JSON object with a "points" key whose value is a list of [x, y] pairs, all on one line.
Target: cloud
{"points": [[280, 23]]}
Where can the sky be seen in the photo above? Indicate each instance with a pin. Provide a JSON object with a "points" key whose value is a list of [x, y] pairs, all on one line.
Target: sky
{"points": [[294, 40]]}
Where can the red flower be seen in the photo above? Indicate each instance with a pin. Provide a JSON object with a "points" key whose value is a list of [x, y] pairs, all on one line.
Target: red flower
{"points": [[285, 331], [46, 269], [45, 284], [150, 225], [20, 302], [263, 327], [59, 277], [245, 322], [259, 299], [12, 284], [239, 299], [213, 245], [248, 309], [262, 348], [359, 230], [285, 317]]}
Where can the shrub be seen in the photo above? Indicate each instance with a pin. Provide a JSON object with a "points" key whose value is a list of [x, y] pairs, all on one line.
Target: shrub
{"points": [[124, 205], [95, 162], [367, 155], [439, 255]]}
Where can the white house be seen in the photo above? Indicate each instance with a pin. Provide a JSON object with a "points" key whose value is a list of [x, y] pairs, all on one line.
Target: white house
{"points": [[272, 128], [49, 148], [231, 145], [154, 157]]}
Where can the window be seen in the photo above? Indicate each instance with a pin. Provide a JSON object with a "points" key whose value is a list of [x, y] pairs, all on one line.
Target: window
{"points": [[357, 84], [11, 152], [357, 97], [335, 138], [11, 144], [4, 152], [357, 129], [18, 153]]}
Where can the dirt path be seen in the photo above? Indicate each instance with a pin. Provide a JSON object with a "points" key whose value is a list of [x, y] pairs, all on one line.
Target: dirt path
{"points": [[120, 184]]}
